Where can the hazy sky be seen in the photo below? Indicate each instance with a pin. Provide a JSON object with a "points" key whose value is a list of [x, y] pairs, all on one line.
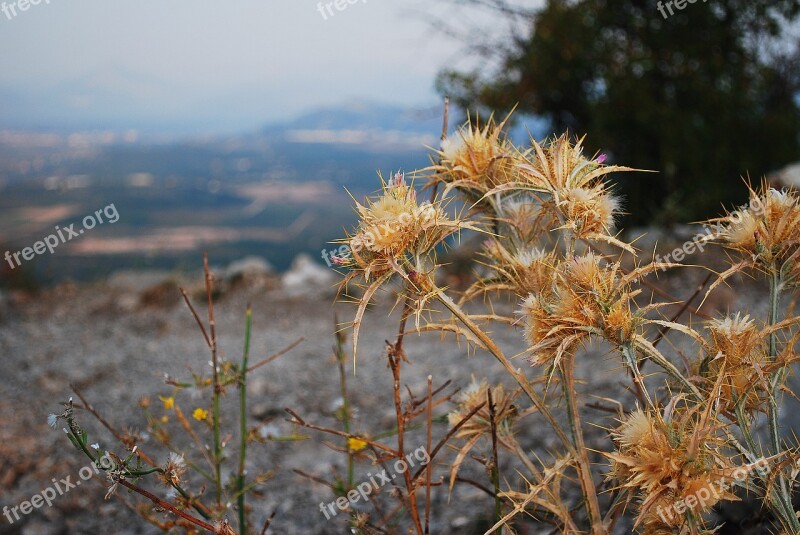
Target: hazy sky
{"points": [[211, 64]]}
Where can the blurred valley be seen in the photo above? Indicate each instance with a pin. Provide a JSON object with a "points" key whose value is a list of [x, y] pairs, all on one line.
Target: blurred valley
{"points": [[273, 193]]}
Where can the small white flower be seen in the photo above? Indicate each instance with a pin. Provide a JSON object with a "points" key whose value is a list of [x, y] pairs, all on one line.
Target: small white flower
{"points": [[52, 420], [96, 445], [176, 459]]}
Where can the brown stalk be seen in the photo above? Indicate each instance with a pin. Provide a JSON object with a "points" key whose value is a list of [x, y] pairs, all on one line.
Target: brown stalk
{"points": [[196, 317], [395, 354], [268, 522], [217, 388], [585, 473], [428, 469], [498, 508], [297, 420], [169, 507], [277, 355]]}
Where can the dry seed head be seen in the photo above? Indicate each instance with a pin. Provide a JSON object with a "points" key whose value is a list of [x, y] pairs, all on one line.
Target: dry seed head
{"points": [[476, 159], [767, 230], [394, 225], [173, 470], [480, 423], [735, 338], [586, 293], [737, 348], [590, 211], [558, 166], [657, 463], [526, 270], [525, 217], [572, 188]]}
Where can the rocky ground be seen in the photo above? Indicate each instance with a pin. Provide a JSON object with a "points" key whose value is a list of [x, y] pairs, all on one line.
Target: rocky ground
{"points": [[116, 339]]}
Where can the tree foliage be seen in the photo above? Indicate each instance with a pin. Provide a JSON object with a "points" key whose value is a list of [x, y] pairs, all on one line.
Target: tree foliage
{"points": [[705, 96]]}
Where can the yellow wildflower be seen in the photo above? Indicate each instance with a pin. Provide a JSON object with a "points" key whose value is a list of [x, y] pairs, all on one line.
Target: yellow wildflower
{"points": [[356, 444]]}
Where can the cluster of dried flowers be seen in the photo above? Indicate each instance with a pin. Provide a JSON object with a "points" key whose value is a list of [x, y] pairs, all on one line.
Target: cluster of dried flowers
{"points": [[548, 212], [686, 437]]}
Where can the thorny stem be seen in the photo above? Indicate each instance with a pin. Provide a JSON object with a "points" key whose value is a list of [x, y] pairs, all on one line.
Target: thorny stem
{"points": [[243, 422], [429, 414], [584, 470], [629, 354], [744, 424], [592, 505], [395, 360], [783, 496], [495, 472], [526, 460], [217, 389]]}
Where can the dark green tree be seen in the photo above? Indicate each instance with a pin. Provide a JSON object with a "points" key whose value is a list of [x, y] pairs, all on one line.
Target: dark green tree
{"points": [[704, 96]]}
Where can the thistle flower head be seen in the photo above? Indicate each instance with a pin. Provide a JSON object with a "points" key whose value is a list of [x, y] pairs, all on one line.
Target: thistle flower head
{"points": [[590, 211], [734, 338], [480, 422], [525, 270], [524, 217], [588, 296], [476, 159], [397, 236], [673, 467], [736, 347], [574, 185], [766, 231], [394, 225]]}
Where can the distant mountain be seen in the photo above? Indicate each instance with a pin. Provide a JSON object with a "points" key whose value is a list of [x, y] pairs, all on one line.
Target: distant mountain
{"points": [[364, 115]]}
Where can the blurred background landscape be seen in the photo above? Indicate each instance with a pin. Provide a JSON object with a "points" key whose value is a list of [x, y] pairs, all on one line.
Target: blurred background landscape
{"points": [[238, 130]]}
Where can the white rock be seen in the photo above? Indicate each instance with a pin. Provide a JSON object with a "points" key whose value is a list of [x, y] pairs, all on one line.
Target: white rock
{"points": [[249, 266], [306, 277]]}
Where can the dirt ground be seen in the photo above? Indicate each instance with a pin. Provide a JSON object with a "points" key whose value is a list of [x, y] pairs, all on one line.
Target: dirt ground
{"points": [[115, 340]]}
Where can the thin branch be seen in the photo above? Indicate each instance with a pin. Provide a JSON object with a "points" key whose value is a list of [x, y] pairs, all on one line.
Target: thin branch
{"points": [[165, 505]]}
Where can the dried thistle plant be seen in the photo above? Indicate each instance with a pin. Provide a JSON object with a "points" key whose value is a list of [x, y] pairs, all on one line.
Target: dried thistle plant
{"points": [[686, 438], [547, 206]]}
